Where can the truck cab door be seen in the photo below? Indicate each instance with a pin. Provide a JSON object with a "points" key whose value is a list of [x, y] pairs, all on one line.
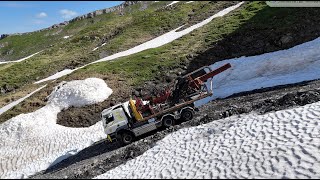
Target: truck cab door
{"points": [[119, 120]]}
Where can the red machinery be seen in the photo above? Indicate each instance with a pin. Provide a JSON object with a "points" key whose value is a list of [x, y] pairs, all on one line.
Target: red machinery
{"points": [[184, 87]]}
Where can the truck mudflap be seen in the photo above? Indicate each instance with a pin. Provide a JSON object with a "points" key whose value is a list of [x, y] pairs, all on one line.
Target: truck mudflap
{"points": [[112, 137], [109, 138]]}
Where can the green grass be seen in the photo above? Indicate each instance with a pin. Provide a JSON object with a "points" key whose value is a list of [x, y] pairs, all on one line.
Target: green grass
{"points": [[120, 32], [144, 66]]}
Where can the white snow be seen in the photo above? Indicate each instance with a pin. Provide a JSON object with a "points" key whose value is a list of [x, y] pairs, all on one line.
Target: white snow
{"points": [[157, 42], [297, 64], [173, 2], [99, 46], [9, 106], [32, 142], [56, 76], [189, 2], [282, 144], [25, 58], [66, 37]]}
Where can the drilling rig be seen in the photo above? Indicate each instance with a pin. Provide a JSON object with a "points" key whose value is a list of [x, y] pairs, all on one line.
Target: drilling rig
{"points": [[125, 121]]}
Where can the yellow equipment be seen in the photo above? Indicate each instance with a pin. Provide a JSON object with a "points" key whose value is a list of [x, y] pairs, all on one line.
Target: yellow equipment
{"points": [[136, 114]]}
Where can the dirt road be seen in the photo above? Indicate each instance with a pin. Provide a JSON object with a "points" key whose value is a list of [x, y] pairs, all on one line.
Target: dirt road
{"points": [[102, 156]]}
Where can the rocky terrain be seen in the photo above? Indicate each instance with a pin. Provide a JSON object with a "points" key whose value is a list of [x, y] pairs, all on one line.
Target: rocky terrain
{"points": [[103, 156]]}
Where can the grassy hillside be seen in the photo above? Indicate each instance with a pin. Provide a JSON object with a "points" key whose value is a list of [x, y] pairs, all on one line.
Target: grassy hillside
{"points": [[119, 32], [252, 29]]}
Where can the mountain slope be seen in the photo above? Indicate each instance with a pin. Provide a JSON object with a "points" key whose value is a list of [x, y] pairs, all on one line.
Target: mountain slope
{"points": [[139, 73], [252, 29]]}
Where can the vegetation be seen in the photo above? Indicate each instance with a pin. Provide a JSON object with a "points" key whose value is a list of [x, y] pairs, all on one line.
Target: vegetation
{"points": [[121, 32]]}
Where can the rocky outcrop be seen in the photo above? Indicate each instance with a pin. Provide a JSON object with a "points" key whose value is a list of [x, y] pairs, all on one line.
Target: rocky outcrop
{"points": [[96, 13], [3, 36], [107, 10]]}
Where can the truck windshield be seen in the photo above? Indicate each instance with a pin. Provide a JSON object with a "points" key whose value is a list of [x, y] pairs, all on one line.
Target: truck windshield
{"points": [[108, 118]]}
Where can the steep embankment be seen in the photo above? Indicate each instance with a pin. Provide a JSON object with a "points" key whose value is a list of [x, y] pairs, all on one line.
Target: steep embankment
{"points": [[147, 23], [119, 32], [252, 29], [175, 58], [102, 157], [269, 29]]}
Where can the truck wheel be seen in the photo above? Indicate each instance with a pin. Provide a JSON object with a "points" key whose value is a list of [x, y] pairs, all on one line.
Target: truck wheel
{"points": [[168, 121], [187, 114], [126, 138]]}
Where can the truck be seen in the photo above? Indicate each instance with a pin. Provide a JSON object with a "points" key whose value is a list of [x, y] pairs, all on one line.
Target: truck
{"points": [[126, 121]]}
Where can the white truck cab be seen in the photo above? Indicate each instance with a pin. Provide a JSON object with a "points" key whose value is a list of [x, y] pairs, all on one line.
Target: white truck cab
{"points": [[115, 117], [128, 120]]}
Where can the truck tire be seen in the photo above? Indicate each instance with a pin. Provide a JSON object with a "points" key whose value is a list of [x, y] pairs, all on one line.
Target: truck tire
{"points": [[126, 138], [168, 121], [187, 114]]}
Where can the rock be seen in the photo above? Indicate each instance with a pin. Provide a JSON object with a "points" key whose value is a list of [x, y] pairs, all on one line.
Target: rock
{"points": [[6, 88], [10, 52], [3, 36], [285, 39], [103, 54], [136, 93], [169, 78]]}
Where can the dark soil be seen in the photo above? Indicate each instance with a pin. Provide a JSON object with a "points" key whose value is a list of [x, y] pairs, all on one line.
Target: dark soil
{"points": [[88, 115]]}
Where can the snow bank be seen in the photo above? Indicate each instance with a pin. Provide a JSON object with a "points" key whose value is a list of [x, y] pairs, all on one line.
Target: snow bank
{"points": [[173, 2], [32, 142], [56, 76], [9, 106], [22, 58], [157, 42], [283, 144], [297, 64], [99, 47]]}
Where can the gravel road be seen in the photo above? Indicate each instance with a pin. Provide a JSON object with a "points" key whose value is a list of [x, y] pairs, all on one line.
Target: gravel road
{"points": [[103, 156]]}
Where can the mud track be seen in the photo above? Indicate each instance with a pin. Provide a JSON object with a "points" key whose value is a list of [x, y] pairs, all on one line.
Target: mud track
{"points": [[103, 156]]}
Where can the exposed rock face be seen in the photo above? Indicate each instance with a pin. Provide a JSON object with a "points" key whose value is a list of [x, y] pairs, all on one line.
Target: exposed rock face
{"points": [[3, 36], [107, 10]]}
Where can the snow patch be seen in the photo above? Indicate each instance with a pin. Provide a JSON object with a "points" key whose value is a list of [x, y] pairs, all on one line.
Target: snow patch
{"points": [[56, 76], [20, 60], [32, 142], [173, 2], [282, 144], [189, 2], [99, 46], [297, 64], [66, 37], [157, 42]]}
